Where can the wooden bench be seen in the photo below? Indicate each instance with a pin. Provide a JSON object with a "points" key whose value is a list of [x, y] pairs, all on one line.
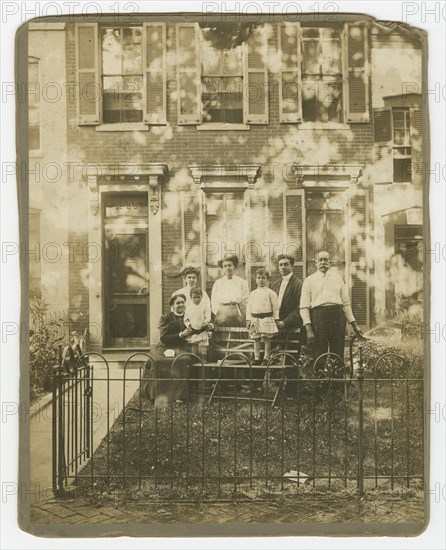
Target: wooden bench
{"points": [[236, 340]]}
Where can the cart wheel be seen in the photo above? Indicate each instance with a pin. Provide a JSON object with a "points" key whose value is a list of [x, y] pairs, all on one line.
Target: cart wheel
{"points": [[330, 365], [79, 352]]}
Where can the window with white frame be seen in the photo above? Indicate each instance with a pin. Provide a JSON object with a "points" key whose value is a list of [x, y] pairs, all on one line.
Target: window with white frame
{"points": [[322, 74], [122, 74], [398, 144], [221, 82], [222, 75], [402, 163]]}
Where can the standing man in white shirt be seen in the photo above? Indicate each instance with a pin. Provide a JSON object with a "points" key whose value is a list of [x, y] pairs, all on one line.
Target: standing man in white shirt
{"points": [[325, 308]]}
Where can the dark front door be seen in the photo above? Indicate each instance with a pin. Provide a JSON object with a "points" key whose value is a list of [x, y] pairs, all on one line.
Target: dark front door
{"points": [[126, 282]]}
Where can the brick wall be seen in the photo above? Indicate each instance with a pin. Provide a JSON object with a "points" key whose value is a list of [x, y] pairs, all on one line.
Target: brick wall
{"points": [[271, 145], [185, 145]]}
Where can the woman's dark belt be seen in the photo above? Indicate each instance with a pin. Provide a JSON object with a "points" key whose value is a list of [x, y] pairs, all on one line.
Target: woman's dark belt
{"points": [[262, 315], [234, 304]]}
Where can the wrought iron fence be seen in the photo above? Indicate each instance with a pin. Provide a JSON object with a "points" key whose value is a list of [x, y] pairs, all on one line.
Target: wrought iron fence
{"points": [[242, 431]]}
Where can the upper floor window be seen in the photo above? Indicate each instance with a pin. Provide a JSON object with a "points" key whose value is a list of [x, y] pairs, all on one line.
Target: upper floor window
{"points": [[324, 74], [221, 83], [402, 164], [33, 106], [122, 74], [401, 128], [222, 74], [398, 144], [321, 75]]}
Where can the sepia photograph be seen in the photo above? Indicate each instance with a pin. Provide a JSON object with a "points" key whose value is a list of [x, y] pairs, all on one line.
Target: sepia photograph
{"points": [[223, 227]]}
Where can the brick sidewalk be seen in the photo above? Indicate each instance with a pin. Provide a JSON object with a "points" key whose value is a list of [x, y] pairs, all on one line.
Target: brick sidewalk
{"points": [[79, 512]]}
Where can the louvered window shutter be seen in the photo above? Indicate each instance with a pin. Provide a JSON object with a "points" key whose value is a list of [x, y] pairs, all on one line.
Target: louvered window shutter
{"points": [[154, 64], [290, 84], [88, 86], [294, 229], [416, 144], [276, 219], [188, 74], [255, 81], [356, 72], [358, 214], [383, 138], [258, 213], [256, 251], [191, 234]]}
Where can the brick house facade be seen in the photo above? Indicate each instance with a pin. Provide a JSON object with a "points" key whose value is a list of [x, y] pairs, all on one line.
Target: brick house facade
{"points": [[187, 141]]}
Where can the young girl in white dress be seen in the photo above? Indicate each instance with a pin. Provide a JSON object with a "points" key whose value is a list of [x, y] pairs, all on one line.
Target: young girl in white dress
{"points": [[261, 315]]}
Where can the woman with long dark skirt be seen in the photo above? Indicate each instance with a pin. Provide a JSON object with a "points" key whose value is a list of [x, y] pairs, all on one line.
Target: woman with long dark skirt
{"points": [[168, 382]]}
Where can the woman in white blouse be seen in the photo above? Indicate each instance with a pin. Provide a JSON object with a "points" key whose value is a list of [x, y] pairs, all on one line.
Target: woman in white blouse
{"points": [[190, 277], [229, 294]]}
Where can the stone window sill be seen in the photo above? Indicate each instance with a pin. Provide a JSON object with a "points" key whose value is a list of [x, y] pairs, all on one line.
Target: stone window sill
{"points": [[323, 126], [123, 127], [222, 126]]}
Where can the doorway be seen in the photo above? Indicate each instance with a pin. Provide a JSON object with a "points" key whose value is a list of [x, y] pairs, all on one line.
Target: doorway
{"points": [[126, 271]]}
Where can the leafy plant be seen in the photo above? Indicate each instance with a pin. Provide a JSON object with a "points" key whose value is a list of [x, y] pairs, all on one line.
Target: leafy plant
{"points": [[43, 334], [226, 35], [388, 361]]}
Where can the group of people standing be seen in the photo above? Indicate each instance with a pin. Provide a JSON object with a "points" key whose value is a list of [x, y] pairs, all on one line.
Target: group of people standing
{"points": [[316, 310]]}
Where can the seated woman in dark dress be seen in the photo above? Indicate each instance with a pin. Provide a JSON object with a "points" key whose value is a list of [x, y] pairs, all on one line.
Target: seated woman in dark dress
{"points": [[168, 382]]}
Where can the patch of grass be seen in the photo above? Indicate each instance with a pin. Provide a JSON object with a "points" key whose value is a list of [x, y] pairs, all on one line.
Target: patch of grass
{"points": [[242, 450]]}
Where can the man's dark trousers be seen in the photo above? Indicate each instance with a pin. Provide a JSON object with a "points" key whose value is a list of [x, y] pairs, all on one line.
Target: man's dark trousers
{"points": [[328, 324], [290, 315]]}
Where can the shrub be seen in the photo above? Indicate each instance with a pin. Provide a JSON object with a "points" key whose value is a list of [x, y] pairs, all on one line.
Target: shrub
{"points": [[392, 360], [42, 356]]}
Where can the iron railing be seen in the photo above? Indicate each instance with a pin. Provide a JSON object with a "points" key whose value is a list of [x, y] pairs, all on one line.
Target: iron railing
{"points": [[240, 433]]}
